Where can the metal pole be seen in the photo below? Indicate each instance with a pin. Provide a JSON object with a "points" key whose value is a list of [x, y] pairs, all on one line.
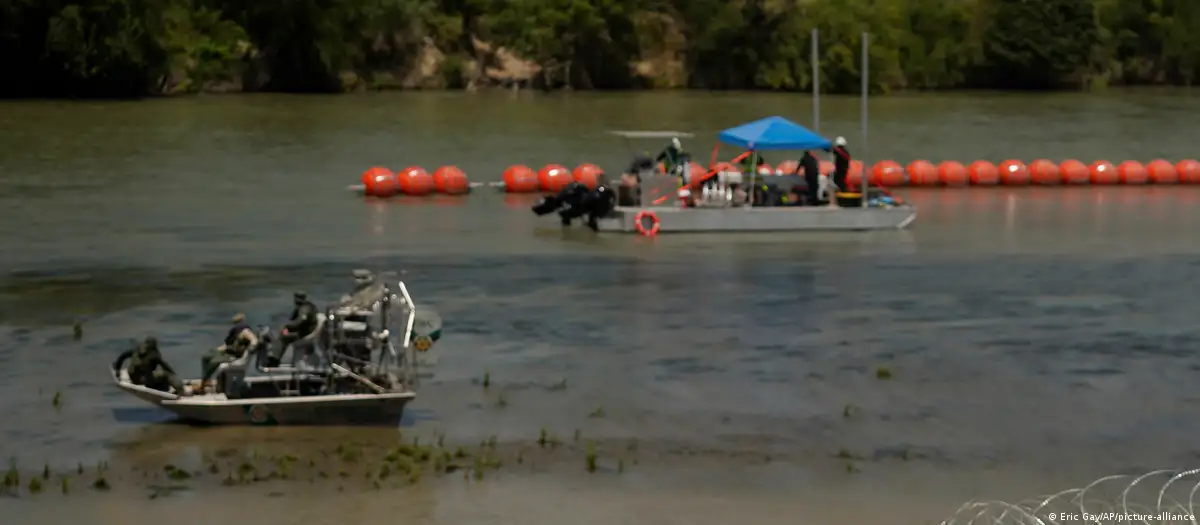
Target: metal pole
{"points": [[816, 84], [866, 175]]}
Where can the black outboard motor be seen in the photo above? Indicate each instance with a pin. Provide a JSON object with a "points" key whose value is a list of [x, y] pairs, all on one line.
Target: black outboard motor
{"points": [[576, 201], [596, 204], [570, 196]]}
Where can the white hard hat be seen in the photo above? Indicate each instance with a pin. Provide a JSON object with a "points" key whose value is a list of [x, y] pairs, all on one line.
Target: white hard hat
{"points": [[840, 141], [675, 142]]}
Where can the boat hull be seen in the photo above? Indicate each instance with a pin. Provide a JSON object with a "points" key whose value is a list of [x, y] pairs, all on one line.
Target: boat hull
{"points": [[335, 409], [672, 219]]}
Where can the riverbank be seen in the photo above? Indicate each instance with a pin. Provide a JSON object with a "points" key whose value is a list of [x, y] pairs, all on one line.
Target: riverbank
{"points": [[132, 48]]}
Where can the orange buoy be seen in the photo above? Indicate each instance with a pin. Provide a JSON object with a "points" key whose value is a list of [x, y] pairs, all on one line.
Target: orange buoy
{"points": [[1045, 172], [887, 173], [696, 169], [520, 179], [1132, 172], [379, 182], [1013, 173], [765, 169], [1103, 173], [951, 173], [1073, 172], [552, 178], [1162, 172], [826, 167], [451, 181], [587, 174], [922, 173], [788, 167], [1189, 171], [983, 173], [415, 181]]}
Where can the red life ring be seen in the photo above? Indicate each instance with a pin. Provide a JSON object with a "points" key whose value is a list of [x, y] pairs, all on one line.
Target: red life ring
{"points": [[641, 228]]}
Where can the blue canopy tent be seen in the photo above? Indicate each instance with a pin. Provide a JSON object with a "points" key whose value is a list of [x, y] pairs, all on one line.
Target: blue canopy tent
{"points": [[773, 133]]}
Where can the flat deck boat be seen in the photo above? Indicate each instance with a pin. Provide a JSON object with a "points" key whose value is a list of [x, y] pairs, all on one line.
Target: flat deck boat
{"points": [[347, 371], [724, 199]]}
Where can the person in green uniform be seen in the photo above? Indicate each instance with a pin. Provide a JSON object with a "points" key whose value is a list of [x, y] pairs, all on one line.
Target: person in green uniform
{"points": [[750, 162], [147, 368], [673, 157], [240, 339]]}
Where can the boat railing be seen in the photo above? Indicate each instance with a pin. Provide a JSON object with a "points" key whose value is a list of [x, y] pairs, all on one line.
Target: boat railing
{"points": [[408, 363], [412, 314]]}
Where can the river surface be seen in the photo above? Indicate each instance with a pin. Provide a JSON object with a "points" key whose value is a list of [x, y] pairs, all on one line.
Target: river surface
{"points": [[1036, 338]]}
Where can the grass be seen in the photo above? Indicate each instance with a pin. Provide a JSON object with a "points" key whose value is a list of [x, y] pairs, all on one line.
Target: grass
{"points": [[368, 465], [849, 411], [591, 457]]}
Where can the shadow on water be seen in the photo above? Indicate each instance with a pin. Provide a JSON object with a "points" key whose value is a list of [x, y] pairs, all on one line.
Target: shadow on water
{"points": [[147, 415]]}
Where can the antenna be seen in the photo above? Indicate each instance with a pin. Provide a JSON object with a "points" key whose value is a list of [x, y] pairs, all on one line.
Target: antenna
{"points": [[816, 84], [866, 73]]}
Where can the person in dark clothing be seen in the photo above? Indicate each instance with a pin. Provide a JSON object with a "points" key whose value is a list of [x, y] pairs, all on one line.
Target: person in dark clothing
{"points": [[301, 324], [841, 163], [812, 176], [629, 193], [147, 368]]}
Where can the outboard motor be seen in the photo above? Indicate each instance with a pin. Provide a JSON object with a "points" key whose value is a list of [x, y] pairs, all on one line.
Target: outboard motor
{"points": [[595, 205], [569, 196], [576, 201]]}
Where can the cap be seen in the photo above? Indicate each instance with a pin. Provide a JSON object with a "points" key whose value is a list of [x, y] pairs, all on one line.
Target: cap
{"points": [[151, 341], [239, 318], [300, 295], [362, 274], [840, 141]]}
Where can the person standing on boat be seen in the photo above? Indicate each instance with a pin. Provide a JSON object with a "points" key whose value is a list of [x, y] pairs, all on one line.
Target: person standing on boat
{"points": [[751, 161], [147, 368], [630, 193], [841, 163], [366, 291], [812, 176], [673, 157], [301, 324], [239, 340]]}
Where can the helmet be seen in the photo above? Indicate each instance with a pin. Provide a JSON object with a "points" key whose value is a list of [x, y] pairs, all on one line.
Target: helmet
{"points": [[363, 277], [675, 142], [840, 141]]}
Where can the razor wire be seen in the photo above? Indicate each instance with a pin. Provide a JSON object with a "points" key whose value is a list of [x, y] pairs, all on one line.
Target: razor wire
{"points": [[1156, 497]]}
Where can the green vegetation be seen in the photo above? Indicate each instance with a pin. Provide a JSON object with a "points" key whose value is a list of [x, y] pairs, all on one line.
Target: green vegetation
{"points": [[132, 48]]}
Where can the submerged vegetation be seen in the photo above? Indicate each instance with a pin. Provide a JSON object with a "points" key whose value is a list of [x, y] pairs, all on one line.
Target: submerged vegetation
{"points": [[130, 48]]}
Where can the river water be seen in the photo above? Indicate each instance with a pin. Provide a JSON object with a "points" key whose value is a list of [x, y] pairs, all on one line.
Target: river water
{"points": [[1036, 338]]}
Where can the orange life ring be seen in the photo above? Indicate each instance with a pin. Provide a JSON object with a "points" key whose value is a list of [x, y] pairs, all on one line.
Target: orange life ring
{"points": [[641, 228]]}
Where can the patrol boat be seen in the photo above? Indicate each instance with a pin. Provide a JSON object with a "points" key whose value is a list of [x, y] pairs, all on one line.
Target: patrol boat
{"points": [[348, 371]]}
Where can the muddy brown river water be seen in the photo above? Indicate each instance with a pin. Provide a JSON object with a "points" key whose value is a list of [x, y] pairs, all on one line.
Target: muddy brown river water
{"points": [[1036, 338]]}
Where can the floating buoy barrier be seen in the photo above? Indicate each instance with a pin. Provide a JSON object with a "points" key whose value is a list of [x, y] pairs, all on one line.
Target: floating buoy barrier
{"points": [[381, 182]]}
